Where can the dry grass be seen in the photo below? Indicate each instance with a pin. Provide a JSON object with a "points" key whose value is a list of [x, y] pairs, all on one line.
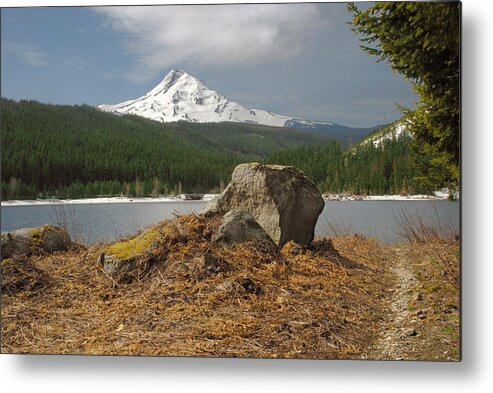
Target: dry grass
{"points": [[436, 298], [416, 228], [192, 297], [199, 299]]}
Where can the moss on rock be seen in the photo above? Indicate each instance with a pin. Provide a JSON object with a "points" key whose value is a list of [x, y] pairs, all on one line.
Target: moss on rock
{"points": [[138, 245], [46, 238], [131, 258]]}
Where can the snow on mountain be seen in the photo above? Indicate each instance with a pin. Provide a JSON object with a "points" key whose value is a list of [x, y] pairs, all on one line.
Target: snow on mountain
{"points": [[180, 96], [394, 133]]}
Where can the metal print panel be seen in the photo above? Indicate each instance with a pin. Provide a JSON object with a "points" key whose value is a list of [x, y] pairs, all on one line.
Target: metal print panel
{"points": [[239, 180]]}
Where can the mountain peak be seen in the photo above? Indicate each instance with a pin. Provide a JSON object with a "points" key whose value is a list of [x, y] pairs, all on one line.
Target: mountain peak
{"points": [[181, 96], [169, 80], [176, 71], [175, 74]]}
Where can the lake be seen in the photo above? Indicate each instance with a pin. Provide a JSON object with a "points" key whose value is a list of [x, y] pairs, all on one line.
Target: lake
{"points": [[92, 223]]}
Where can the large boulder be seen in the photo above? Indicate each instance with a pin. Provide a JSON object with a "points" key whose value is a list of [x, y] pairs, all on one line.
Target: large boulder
{"points": [[282, 200], [47, 238]]}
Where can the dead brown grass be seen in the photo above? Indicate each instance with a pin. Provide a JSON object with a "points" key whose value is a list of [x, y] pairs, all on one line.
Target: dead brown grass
{"points": [[436, 299], [195, 298], [416, 228]]}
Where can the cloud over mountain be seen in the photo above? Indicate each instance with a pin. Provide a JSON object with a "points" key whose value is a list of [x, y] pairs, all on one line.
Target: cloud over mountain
{"points": [[211, 35]]}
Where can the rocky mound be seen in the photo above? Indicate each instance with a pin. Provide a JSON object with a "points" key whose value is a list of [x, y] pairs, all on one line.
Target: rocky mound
{"points": [[179, 292]]}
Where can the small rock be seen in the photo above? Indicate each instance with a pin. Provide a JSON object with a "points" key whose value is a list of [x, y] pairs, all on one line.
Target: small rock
{"points": [[411, 332], [293, 248], [238, 226], [131, 258]]}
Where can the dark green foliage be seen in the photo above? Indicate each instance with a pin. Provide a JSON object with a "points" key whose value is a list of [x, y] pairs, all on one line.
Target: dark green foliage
{"points": [[366, 169], [317, 162], [79, 151], [384, 169], [421, 41]]}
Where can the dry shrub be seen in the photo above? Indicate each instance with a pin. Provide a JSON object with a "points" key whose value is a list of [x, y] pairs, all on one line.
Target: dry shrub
{"points": [[443, 259], [340, 229], [414, 227], [430, 235], [200, 299]]}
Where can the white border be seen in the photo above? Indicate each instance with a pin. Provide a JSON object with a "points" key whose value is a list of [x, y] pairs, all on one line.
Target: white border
{"points": [[88, 374]]}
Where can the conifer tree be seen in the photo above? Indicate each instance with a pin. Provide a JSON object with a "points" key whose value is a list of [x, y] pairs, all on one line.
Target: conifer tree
{"points": [[421, 41]]}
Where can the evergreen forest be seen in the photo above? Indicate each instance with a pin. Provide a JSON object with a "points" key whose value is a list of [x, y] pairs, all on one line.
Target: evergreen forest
{"points": [[67, 151]]}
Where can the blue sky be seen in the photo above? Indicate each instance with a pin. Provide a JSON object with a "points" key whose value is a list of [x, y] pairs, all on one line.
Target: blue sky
{"points": [[299, 60]]}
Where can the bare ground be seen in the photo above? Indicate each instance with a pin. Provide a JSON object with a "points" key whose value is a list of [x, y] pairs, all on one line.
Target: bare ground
{"points": [[422, 322]]}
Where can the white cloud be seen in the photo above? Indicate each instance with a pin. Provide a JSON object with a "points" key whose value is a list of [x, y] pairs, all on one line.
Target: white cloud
{"points": [[212, 35], [32, 56], [74, 62], [28, 55]]}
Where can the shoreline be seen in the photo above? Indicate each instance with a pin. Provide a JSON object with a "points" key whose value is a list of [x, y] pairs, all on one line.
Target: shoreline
{"points": [[437, 196], [102, 200], [207, 197]]}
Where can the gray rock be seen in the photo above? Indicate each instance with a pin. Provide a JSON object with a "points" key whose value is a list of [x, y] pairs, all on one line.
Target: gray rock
{"points": [[282, 200], [47, 238], [237, 227], [114, 266], [411, 332]]}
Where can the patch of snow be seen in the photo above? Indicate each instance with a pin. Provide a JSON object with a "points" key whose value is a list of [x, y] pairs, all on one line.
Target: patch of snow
{"points": [[416, 197], [102, 200], [209, 197], [88, 201], [396, 133]]}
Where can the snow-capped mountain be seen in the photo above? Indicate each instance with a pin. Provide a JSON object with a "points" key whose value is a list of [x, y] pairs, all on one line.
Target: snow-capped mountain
{"points": [[180, 96]]}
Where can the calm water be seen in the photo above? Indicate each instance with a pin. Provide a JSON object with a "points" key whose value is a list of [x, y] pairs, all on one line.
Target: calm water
{"points": [[106, 222]]}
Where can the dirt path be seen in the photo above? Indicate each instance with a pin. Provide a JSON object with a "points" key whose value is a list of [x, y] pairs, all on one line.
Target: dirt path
{"points": [[398, 337]]}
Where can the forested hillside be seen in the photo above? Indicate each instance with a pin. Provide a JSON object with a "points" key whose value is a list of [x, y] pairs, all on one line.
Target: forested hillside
{"points": [[389, 167], [79, 151]]}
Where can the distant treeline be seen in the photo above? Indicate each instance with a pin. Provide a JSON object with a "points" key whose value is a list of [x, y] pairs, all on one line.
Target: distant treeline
{"points": [[79, 151], [365, 169]]}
